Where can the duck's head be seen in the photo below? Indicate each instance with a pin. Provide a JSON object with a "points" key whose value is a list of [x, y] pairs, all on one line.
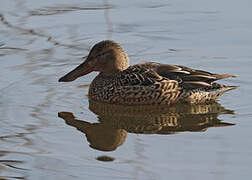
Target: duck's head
{"points": [[106, 57]]}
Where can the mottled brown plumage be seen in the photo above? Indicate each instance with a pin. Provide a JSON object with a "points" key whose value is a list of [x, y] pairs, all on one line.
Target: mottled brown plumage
{"points": [[147, 83]]}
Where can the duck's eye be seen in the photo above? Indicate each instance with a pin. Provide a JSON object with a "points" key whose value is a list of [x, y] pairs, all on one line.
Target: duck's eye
{"points": [[101, 54], [98, 55]]}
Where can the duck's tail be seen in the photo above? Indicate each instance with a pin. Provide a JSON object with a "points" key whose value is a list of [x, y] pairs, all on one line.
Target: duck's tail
{"points": [[224, 88], [208, 94], [222, 76]]}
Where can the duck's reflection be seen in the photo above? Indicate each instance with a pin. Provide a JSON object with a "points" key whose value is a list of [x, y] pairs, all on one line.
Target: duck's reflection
{"points": [[115, 121]]}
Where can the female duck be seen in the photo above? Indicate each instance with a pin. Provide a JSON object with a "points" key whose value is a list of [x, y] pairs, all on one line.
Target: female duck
{"points": [[144, 84]]}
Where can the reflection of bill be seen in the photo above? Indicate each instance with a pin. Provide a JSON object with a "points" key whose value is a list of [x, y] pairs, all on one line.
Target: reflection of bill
{"points": [[116, 120]]}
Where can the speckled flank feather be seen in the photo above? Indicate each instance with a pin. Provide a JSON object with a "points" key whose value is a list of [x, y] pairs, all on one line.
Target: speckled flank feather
{"points": [[147, 83]]}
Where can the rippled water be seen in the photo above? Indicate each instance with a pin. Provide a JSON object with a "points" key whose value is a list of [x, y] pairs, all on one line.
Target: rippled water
{"points": [[49, 130]]}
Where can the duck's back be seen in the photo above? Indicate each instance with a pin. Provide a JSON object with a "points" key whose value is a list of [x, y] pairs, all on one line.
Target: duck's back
{"points": [[154, 83]]}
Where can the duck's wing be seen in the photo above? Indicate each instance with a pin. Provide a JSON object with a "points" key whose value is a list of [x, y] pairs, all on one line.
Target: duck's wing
{"points": [[187, 77], [139, 84], [139, 75]]}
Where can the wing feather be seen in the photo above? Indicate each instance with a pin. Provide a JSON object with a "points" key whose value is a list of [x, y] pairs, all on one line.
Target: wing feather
{"points": [[187, 77]]}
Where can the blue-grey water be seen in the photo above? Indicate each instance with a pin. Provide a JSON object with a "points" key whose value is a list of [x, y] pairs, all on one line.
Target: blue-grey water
{"points": [[49, 130]]}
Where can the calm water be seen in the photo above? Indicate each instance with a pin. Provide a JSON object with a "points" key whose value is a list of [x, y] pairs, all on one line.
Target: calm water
{"points": [[49, 130]]}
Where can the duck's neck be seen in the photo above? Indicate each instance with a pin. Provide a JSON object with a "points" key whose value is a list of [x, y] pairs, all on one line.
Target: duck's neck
{"points": [[121, 61]]}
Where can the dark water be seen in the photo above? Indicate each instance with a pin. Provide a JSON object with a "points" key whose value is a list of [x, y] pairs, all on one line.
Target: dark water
{"points": [[49, 130]]}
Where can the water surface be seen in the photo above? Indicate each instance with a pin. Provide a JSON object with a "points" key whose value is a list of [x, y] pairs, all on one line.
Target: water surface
{"points": [[49, 130]]}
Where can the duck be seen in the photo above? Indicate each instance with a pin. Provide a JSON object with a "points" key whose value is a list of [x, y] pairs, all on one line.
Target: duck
{"points": [[148, 83]]}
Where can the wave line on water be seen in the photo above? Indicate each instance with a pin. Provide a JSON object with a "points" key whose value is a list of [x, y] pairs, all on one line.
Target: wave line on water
{"points": [[38, 34]]}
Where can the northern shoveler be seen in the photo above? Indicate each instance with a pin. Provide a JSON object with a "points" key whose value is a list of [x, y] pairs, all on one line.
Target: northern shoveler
{"points": [[148, 83]]}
